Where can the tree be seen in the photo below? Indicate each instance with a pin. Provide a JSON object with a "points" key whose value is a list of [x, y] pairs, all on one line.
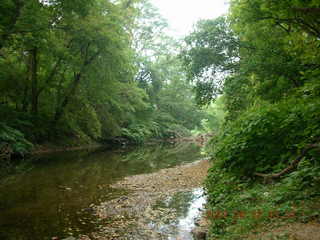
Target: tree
{"points": [[91, 70], [211, 54]]}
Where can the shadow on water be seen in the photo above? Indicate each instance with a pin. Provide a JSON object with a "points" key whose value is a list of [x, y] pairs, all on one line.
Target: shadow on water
{"points": [[53, 197]]}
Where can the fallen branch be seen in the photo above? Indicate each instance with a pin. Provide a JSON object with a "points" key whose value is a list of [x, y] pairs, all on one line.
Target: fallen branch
{"points": [[307, 10], [292, 166]]}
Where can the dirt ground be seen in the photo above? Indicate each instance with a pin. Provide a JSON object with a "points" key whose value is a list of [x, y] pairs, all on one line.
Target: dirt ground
{"points": [[293, 231]]}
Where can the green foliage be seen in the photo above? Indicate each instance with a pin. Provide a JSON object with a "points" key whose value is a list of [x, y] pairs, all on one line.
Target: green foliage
{"points": [[14, 138], [138, 133], [238, 207], [270, 83], [211, 52], [216, 116], [91, 70], [264, 58], [172, 110], [68, 68], [267, 136]]}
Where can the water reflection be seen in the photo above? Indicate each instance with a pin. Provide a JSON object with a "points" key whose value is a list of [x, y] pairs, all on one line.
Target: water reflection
{"points": [[187, 206], [53, 197], [187, 223]]}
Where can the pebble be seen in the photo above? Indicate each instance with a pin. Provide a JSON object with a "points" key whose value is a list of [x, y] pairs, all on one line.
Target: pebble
{"points": [[69, 238]]}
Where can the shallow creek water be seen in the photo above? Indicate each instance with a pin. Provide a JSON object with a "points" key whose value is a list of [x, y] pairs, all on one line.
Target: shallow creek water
{"points": [[188, 207], [54, 194]]}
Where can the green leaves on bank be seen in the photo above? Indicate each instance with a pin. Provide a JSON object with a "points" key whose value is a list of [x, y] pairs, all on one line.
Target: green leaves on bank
{"points": [[91, 71], [263, 58]]}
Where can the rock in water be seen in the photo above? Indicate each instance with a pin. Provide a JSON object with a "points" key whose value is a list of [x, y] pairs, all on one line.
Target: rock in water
{"points": [[70, 238], [199, 234]]}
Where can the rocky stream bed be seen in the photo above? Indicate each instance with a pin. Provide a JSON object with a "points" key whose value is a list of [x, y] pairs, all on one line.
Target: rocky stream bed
{"points": [[161, 205]]}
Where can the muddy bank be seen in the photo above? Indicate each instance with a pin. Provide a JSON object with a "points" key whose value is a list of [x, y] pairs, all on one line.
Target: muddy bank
{"points": [[146, 212]]}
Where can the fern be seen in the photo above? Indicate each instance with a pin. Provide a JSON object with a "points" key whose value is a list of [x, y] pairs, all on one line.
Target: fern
{"points": [[16, 139]]}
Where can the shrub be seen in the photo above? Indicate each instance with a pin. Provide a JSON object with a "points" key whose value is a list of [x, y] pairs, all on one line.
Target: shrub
{"points": [[267, 136], [14, 138]]}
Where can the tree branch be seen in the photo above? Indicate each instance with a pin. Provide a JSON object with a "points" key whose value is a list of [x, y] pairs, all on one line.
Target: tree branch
{"points": [[292, 166], [307, 10]]}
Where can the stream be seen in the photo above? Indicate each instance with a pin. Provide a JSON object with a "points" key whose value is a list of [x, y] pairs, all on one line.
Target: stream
{"points": [[54, 195]]}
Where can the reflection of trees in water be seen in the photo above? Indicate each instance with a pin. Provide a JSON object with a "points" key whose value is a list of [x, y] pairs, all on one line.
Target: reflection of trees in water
{"points": [[9, 168], [46, 192], [44, 200], [181, 202], [156, 157]]}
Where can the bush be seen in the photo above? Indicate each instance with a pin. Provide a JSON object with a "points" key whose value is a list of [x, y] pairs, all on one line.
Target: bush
{"points": [[14, 138], [266, 137]]}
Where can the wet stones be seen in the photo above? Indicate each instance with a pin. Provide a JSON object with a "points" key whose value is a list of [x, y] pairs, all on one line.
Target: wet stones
{"points": [[201, 230], [69, 238], [137, 215], [199, 234]]}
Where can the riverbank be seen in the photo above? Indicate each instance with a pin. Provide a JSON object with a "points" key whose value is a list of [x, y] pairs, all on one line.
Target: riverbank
{"points": [[142, 213], [277, 210], [51, 148]]}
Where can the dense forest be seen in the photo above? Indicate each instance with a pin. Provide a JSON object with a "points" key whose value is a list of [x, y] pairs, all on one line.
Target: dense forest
{"points": [[83, 71], [77, 72], [261, 63]]}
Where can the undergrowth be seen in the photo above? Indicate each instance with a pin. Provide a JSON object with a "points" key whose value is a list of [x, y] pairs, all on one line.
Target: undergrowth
{"points": [[241, 207], [265, 139]]}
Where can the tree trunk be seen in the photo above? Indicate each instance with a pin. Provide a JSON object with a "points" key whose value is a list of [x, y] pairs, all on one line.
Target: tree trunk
{"points": [[34, 80], [73, 88], [25, 102], [75, 83]]}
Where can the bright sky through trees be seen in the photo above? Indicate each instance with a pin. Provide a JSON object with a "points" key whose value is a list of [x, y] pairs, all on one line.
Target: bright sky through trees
{"points": [[181, 15]]}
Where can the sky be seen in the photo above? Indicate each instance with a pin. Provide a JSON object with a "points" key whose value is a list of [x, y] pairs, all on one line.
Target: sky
{"points": [[182, 14]]}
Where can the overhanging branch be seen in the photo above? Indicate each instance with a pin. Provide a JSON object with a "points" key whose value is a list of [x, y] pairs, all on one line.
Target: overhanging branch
{"points": [[292, 166]]}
